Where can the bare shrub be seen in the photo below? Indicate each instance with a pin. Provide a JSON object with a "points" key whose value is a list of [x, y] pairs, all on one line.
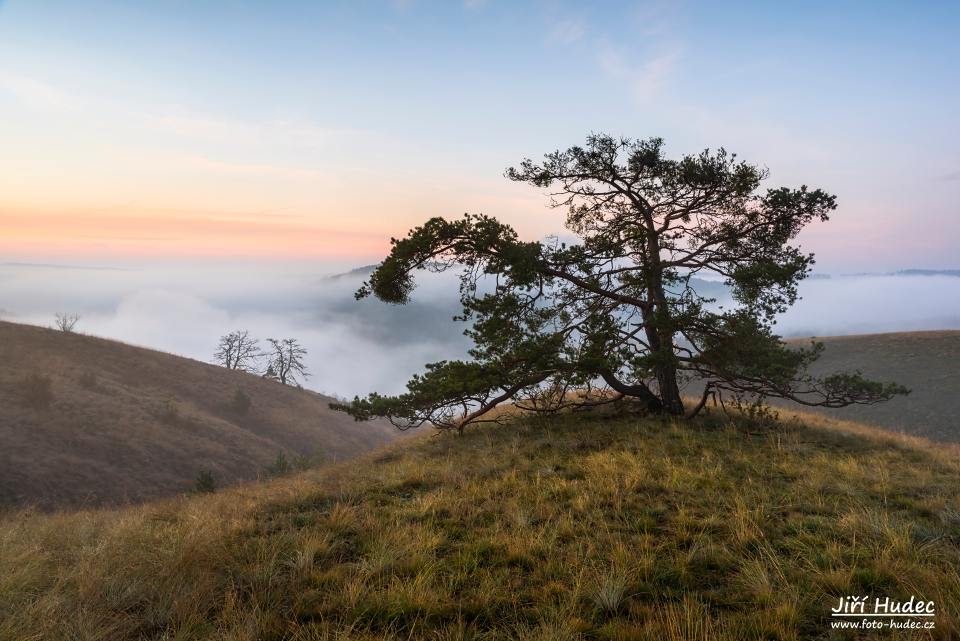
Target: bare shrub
{"points": [[66, 322], [286, 361], [754, 414], [238, 350]]}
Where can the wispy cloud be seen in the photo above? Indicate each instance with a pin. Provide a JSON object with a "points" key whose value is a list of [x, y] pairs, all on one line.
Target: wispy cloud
{"points": [[36, 93], [643, 70], [474, 5], [204, 163], [566, 31], [655, 18], [182, 121], [278, 131], [400, 5], [643, 79], [951, 177]]}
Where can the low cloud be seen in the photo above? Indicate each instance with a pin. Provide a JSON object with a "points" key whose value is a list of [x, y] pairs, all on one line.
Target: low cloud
{"points": [[360, 346], [354, 346], [871, 304]]}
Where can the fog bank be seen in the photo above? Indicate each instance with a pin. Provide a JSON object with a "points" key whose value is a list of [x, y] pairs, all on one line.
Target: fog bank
{"points": [[356, 347]]}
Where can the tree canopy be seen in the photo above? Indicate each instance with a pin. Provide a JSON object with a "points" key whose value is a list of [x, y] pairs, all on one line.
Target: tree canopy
{"points": [[614, 313]]}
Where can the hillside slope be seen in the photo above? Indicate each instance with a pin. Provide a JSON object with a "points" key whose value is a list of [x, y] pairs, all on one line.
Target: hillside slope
{"points": [[555, 529], [926, 362], [129, 424]]}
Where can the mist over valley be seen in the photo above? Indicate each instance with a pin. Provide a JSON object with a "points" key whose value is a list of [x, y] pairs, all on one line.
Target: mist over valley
{"points": [[355, 347]]}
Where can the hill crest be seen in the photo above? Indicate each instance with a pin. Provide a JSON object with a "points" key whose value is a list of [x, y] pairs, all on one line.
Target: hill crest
{"points": [[127, 424], [567, 527]]}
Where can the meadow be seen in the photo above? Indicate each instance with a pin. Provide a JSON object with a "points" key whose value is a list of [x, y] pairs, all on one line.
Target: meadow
{"points": [[588, 526]]}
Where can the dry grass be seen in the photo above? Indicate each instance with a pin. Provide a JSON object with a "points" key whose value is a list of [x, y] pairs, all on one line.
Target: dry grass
{"points": [[85, 421], [568, 528]]}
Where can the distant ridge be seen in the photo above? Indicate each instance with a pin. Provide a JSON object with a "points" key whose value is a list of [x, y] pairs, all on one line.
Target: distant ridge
{"points": [[927, 362], [927, 272], [357, 272], [904, 272]]}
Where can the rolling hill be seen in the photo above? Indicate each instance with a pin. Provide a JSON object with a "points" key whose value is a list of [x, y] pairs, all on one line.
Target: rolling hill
{"points": [[120, 423], [926, 362], [565, 528]]}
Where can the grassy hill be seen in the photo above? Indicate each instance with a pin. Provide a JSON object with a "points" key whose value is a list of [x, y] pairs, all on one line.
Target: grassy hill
{"points": [[567, 528], [86, 421], [926, 362]]}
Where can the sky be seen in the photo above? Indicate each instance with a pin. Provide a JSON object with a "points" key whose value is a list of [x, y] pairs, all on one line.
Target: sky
{"points": [[217, 131]]}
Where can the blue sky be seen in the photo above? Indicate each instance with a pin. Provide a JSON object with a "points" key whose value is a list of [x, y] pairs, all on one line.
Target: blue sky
{"points": [[337, 125]]}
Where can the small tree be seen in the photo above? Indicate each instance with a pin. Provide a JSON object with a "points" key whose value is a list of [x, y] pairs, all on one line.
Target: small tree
{"points": [[240, 403], [206, 483], [238, 350], [617, 314], [286, 361], [280, 466], [66, 322]]}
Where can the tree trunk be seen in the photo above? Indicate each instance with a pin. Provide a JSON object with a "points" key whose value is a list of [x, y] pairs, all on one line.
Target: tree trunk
{"points": [[660, 340], [660, 334], [666, 368], [669, 390]]}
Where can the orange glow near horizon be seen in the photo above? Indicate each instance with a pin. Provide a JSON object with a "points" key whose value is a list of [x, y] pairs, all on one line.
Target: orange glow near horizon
{"points": [[256, 218], [40, 234]]}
